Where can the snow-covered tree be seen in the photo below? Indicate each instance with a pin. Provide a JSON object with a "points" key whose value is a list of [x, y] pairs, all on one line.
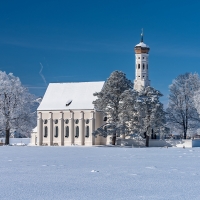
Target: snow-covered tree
{"points": [[129, 112], [181, 112], [108, 101], [16, 103], [196, 99], [150, 112]]}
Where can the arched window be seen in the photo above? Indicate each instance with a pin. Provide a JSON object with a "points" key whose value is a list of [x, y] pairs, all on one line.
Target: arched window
{"points": [[77, 132], [143, 66], [138, 66], [56, 131], [87, 130], [67, 131], [66, 121], [45, 131]]}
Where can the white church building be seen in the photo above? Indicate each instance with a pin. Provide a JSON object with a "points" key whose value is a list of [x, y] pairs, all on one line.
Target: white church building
{"points": [[66, 115]]}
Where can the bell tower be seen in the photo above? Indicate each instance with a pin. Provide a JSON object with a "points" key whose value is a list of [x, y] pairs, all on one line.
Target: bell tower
{"points": [[141, 65]]}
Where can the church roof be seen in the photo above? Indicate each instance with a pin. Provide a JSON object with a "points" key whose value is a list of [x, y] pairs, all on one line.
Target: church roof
{"points": [[34, 130], [62, 96]]}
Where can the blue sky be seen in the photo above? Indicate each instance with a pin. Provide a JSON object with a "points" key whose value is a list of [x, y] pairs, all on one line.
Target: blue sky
{"points": [[87, 40]]}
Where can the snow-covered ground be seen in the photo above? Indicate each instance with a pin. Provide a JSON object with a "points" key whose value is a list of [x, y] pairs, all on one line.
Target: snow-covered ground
{"points": [[84, 173]]}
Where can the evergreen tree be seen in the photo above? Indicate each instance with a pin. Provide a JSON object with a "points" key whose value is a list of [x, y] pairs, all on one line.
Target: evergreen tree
{"points": [[150, 112], [108, 101]]}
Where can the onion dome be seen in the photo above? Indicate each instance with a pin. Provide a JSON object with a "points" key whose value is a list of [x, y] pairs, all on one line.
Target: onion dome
{"points": [[142, 47]]}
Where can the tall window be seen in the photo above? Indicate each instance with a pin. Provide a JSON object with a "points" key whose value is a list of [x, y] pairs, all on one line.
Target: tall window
{"points": [[67, 131], [147, 66], [45, 131], [87, 130], [138, 66], [56, 131], [143, 66], [77, 132]]}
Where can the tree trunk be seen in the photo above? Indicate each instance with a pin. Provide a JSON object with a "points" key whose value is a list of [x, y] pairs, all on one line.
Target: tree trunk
{"points": [[185, 134], [7, 142], [113, 139], [147, 141]]}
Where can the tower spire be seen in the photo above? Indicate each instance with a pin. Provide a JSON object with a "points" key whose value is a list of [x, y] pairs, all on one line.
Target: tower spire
{"points": [[142, 34]]}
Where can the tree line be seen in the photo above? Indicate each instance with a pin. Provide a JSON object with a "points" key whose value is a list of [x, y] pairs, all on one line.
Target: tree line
{"points": [[132, 113], [126, 112]]}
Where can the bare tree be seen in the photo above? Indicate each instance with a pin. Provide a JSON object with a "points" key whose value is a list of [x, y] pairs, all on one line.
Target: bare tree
{"points": [[181, 112], [15, 106]]}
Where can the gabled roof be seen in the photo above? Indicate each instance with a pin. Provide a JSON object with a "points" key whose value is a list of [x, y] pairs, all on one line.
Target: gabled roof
{"points": [[59, 95]]}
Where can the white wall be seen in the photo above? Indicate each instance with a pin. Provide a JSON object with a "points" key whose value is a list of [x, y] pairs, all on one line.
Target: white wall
{"points": [[159, 143], [95, 121], [17, 140]]}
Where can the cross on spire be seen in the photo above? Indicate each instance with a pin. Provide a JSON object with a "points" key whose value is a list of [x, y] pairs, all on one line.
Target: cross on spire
{"points": [[142, 34]]}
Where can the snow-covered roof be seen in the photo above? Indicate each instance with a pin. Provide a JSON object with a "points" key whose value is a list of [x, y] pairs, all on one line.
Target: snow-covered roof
{"points": [[34, 130], [142, 44], [62, 96]]}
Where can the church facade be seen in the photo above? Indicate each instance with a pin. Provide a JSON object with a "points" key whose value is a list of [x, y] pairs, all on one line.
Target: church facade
{"points": [[66, 115]]}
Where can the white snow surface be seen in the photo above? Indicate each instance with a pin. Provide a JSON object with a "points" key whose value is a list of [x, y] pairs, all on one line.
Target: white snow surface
{"points": [[142, 44], [81, 94], [123, 173]]}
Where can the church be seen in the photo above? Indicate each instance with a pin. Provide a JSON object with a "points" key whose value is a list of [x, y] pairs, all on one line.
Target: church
{"points": [[66, 115]]}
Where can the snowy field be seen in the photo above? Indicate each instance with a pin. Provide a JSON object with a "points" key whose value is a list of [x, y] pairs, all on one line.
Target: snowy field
{"points": [[84, 173]]}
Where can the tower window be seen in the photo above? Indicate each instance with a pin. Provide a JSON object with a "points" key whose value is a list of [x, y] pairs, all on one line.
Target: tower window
{"points": [[77, 132], [143, 66], [138, 57], [138, 66], [67, 131], [56, 131]]}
